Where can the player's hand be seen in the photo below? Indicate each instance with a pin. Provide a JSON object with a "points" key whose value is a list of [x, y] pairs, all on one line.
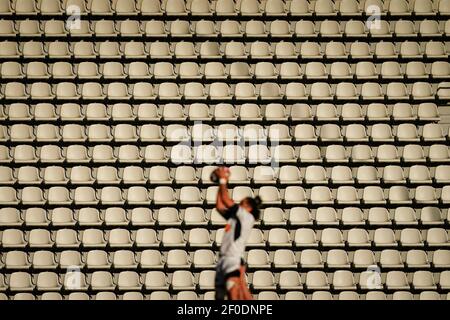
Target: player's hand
{"points": [[223, 173]]}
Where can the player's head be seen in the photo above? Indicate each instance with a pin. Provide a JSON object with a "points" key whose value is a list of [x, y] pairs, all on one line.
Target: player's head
{"points": [[252, 205]]}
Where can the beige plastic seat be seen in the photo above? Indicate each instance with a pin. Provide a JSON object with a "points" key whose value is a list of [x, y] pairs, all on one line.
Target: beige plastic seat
{"points": [[382, 132], [371, 91], [101, 7], [135, 50], [126, 7], [230, 28], [150, 8], [311, 258], [143, 91], [105, 28], [405, 28], [416, 259], [92, 90], [439, 69], [24, 154], [113, 70], [29, 28], [62, 70], [286, 50], [33, 49], [111, 195], [366, 70], [330, 28], [401, 7], [301, 111], [260, 50], [138, 70], [335, 50], [214, 70], [200, 7], [300, 8], [209, 50], [15, 90], [275, 8]]}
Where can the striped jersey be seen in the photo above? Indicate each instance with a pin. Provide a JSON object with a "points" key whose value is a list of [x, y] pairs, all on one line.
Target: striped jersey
{"points": [[237, 230]]}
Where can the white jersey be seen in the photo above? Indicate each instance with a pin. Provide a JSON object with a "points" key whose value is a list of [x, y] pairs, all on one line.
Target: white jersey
{"points": [[239, 225]]}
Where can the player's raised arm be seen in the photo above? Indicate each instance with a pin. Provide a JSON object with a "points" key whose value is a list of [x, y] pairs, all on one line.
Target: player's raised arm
{"points": [[223, 202]]}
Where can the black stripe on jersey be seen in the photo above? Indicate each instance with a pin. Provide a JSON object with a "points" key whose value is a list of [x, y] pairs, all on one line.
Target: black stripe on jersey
{"points": [[231, 213], [237, 229]]}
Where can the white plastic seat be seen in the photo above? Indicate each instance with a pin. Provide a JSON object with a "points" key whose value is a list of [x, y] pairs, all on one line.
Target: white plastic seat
{"points": [[316, 280], [81, 175], [432, 132], [358, 238], [411, 237], [13, 238], [214, 70], [295, 195], [159, 174], [366, 70], [219, 91], [190, 195], [381, 132], [363, 258], [341, 70], [199, 237], [397, 280], [278, 237], [284, 258], [269, 195], [240, 192], [164, 195], [195, 216], [371, 91], [150, 133], [168, 90], [273, 216], [330, 132], [373, 194], [356, 132]]}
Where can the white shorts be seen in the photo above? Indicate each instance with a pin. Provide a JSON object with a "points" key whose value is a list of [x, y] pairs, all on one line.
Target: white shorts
{"points": [[225, 268]]}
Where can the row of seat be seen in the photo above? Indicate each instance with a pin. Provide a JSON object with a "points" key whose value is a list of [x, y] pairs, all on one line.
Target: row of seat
{"points": [[363, 70], [222, 91], [210, 295], [196, 216], [257, 259], [158, 154], [229, 50], [286, 174], [354, 112], [259, 280], [227, 28], [227, 7], [382, 237], [328, 132], [189, 195]]}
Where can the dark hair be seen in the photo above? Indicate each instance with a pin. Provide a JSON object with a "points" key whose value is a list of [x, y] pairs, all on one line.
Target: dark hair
{"points": [[255, 203]]}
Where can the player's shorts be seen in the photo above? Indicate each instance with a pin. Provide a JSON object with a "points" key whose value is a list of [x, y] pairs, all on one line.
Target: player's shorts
{"points": [[222, 283], [231, 283]]}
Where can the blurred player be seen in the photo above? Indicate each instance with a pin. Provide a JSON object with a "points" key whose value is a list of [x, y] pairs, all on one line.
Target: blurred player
{"points": [[230, 271]]}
